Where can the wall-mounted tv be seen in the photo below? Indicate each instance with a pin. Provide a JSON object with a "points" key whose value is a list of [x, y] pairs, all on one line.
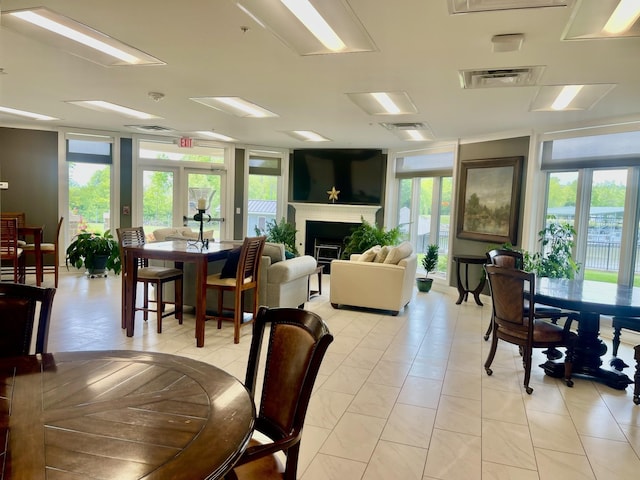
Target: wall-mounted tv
{"points": [[359, 174]]}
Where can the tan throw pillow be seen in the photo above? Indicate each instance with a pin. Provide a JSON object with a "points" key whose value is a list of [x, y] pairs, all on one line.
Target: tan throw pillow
{"points": [[398, 253], [382, 254], [369, 255]]}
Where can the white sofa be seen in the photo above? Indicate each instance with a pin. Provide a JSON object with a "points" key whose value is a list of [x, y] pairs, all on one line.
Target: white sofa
{"points": [[283, 282], [373, 284], [179, 233]]}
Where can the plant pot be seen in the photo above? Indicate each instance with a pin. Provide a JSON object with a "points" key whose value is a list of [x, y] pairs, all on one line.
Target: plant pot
{"points": [[98, 265], [424, 284]]}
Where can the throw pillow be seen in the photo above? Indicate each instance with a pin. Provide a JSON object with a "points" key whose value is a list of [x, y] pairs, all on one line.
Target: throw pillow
{"points": [[382, 254], [230, 267], [398, 253], [369, 255]]}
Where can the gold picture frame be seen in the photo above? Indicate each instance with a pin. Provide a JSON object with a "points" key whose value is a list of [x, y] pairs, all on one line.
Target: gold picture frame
{"points": [[489, 199]]}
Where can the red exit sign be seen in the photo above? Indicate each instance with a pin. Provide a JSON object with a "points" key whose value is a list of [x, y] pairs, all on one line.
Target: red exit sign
{"points": [[186, 142]]}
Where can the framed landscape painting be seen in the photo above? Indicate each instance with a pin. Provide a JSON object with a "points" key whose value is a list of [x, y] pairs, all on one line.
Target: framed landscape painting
{"points": [[489, 199]]}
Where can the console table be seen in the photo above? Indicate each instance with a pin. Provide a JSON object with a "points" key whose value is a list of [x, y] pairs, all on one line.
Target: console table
{"points": [[463, 288]]}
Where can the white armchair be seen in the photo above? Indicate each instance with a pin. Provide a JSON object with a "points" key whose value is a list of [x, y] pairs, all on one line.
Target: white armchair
{"points": [[383, 286]]}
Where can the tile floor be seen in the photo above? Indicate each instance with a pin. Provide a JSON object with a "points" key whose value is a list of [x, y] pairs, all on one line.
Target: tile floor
{"points": [[404, 397]]}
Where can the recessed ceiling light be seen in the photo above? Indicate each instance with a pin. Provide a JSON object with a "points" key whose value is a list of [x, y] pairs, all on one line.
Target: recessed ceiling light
{"points": [[103, 106], [410, 131], [215, 136], [470, 6], [235, 106], [311, 27], [551, 98], [593, 19], [74, 37], [384, 103], [24, 113], [625, 15], [307, 136]]}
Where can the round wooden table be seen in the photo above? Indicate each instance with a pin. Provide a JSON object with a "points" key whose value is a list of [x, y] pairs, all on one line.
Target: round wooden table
{"points": [[120, 414]]}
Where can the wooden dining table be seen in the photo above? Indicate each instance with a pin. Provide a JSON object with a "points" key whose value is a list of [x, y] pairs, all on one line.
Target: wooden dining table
{"points": [[120, 415], [177, 251], [589, 300]]}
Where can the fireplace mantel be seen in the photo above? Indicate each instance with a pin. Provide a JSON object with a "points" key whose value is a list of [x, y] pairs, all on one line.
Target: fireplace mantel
{"points": [[329, 212]]}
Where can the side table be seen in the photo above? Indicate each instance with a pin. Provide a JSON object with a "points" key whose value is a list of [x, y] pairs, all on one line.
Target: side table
{"points": [[463, 289], [318, 271]]}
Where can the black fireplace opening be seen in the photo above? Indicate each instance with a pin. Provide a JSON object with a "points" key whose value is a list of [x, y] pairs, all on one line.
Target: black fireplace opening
{"points": [[325, 240]]}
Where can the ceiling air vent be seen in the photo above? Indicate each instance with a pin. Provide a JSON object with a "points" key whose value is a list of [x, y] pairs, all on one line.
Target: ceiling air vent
{"points": [[470, 6], [151, 128], [405, 126], [500, 77]]}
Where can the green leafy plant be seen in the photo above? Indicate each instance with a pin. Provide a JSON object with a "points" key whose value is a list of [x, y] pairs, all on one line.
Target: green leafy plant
{"points": [[86, 247], [430, 259], [555, 261], [365, 236], [282, 232]]}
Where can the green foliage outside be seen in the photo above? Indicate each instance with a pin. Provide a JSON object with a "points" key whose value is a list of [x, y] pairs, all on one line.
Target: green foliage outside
{"points": [[281, 232], [365, 236]]}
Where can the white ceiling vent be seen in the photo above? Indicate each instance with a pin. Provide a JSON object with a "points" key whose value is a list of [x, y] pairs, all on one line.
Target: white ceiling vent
{"points": [[470, 6], [151, 128], [405, 126], [500, 77]]}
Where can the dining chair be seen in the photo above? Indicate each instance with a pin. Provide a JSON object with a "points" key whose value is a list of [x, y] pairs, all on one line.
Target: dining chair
{"points": [[240, 274], [47, 249], [9, 248], [149, 275], [514, 259], [22, 221], [618, 323], [515, 324], [636, 377], [18, 307], [297, 342]]}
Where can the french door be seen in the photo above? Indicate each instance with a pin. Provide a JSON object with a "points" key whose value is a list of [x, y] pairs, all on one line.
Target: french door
{"points": [[169, 197]]}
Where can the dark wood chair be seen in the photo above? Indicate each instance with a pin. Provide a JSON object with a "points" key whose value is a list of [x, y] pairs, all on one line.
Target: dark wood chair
{"points": [[636, 378], [515, 259], [298, 340], [618, 323], [10, 251], [18, 316], [47, 248], [239, 279], [514, 324], [155, 276]]}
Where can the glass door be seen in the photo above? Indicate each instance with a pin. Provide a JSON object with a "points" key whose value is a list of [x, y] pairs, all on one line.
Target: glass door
{"points": [[158, 198]]}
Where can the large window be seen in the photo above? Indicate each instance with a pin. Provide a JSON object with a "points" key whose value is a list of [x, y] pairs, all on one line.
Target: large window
{"points": [[264, 189], [587, 186], [424, 201], [89, 171]]}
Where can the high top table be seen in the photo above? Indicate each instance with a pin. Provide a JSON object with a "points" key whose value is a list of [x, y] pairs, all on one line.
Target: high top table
{"points": [[590, 300], [178, 251], [120, 415]]}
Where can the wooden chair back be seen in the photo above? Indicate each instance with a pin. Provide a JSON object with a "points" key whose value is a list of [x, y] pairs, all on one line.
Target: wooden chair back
{"points": [[506, 258], [507, 287], [17, 318], [131, 237], [297, 342]]}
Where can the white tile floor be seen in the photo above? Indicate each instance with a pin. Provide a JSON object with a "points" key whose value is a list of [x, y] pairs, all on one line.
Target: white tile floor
{"points": [[404, 397]]}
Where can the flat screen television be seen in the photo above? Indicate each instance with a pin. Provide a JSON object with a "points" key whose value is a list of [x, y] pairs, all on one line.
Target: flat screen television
{"points": [[359, 175]]}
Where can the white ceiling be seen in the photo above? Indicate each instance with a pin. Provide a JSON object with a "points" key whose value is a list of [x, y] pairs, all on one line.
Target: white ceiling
{"points": [[421, 49]]}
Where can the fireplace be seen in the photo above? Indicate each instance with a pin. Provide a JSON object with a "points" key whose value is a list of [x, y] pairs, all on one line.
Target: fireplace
{"points": [[336, 219], [325, 240]]}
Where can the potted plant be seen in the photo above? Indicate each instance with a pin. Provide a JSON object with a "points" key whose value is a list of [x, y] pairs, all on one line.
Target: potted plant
{"points": [[430, 264], [365, 236], [282, 232], [97, 252]]}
